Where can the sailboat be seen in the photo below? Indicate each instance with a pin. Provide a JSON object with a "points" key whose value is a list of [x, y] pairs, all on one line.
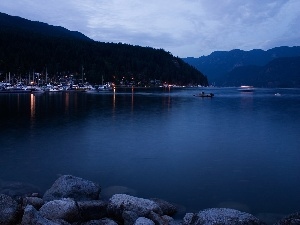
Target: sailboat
{"points": [[104, 87]]}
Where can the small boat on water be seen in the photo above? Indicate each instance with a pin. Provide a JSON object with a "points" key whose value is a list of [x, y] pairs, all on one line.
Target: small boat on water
{"points": [[205, 95], [277, 94], [104, 87], [245, 88]]}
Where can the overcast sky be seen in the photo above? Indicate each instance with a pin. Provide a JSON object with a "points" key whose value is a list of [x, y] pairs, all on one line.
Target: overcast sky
{"points": [[182, 27]]}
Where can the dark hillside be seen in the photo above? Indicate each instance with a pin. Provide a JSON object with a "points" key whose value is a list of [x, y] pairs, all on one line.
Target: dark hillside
{"points": [[12, 23], [27, 46], [280, 72], [216, 65]]}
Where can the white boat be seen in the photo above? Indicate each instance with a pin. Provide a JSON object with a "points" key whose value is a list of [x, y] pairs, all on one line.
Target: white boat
{"points": [[104, 87], [34, 89], [245, 88], [205, 95]]}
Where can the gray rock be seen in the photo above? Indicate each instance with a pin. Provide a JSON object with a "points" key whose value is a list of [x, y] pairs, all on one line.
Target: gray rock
{"points": [[68, 186], [171, 221], [216, 216], [9, 210], [92, 210], [104, 221], [34, 201], [65, 209], [157, 219], [108, 192], [144, 221], [166, 207], [119, 203], [32, 217], [292, 219], [190, 218], [129, 217]]}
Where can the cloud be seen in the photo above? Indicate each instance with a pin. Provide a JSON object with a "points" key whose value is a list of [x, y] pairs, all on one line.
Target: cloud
{"points": [[183, 27]]}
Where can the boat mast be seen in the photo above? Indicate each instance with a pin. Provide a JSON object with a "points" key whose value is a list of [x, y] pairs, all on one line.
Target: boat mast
{"points": [[46, 75], [82, 73], [33, 77]]}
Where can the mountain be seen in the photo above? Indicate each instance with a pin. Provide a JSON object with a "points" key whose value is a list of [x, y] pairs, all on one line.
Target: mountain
{"points": [[8, 22], [27, 46], [280, 72], [216, 65]]}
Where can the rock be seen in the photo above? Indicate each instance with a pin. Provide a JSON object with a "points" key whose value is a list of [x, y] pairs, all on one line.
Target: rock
{"points": [[234, 205], [157, 219], [144, 221], [104, 221], [92, 210], [170, 221], [9, 210], [65, 209], [32, 217], [37, 203], [68, 186], [119, 203], [108, 192], [292, 219], [129, 217], [166, 207], [220, 216]]}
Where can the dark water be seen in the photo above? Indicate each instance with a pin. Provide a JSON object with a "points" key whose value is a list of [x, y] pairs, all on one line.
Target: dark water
{"points": [[237, 149]]}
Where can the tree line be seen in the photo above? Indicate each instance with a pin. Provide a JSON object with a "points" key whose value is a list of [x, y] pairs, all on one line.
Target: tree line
{"points": [[23, 51]]}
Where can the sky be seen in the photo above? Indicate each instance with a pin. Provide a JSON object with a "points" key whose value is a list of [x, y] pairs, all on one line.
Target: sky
{"points": [[185, 28]]}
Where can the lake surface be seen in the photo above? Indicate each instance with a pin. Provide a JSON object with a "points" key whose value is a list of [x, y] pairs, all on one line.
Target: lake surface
{"points": [[237, 149]]}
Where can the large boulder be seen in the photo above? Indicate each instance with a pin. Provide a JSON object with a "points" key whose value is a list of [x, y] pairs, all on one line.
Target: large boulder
{"points": [[108, 192], [129, 217], [157, 219], [34, 201], [119, 203], [167, 208], [144, 221], [9, 210], [104, 221], [68, 186], [64, 209], [170, 220], [216, 216], [32, 217]]}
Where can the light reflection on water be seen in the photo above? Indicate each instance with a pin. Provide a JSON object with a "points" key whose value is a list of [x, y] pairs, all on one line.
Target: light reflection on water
{"points": [[236, 148]]}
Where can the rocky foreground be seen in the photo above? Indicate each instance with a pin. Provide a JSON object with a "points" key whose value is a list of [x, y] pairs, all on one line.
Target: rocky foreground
{"points": [[76, 201]]}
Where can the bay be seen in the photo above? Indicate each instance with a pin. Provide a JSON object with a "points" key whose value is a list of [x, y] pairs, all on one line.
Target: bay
{"points": [[236, 149]]}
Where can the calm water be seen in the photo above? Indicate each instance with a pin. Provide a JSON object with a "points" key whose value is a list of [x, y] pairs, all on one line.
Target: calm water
{"points": [[237, 149]]}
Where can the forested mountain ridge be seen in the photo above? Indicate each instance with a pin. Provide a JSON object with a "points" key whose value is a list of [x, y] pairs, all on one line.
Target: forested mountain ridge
{"points": [[27, 46], [280, 72], [216, 65], [22, 25]]}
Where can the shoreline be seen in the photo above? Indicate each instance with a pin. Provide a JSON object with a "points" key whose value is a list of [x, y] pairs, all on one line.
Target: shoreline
{"points": [[83, 198]]}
